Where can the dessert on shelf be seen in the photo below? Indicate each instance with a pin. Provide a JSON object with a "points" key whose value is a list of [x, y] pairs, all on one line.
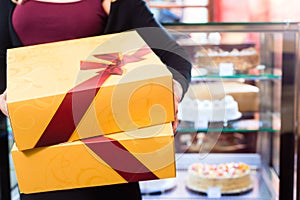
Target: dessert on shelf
{"points": [[221, 110], [246, 95], [229, 177], [214, 143], [242, 60]]}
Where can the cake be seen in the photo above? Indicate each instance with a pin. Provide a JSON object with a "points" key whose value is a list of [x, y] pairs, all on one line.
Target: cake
{"points": [[229, 177], [215, 142], [242, 60], [221, 110], [246, 95]]}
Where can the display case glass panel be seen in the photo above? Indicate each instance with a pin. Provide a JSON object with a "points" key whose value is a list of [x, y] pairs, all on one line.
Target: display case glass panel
{"points": [[240, 106]]}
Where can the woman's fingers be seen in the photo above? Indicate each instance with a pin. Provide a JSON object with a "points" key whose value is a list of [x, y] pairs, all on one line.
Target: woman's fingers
{"points": [[3, 105]]}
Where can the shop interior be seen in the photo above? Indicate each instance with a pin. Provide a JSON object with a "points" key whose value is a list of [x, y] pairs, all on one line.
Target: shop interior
{"points": [[245, 77]]}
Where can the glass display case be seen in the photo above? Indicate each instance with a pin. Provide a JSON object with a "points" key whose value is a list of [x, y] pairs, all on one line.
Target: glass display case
{"points": [[241, 107]]}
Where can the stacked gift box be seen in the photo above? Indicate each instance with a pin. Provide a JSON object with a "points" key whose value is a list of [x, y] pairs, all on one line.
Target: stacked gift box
{"points": [[89, 112]]}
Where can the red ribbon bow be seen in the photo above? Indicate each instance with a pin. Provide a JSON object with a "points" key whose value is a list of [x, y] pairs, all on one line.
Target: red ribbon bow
{"points": [[78, 99]]}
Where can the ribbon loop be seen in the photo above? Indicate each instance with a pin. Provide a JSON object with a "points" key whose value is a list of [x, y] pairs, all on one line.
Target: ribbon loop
{"points": [[78, 99]]}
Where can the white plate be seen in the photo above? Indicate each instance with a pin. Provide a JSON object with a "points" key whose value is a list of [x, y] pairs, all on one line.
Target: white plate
{"points": [[192, 188], [153, 186]]}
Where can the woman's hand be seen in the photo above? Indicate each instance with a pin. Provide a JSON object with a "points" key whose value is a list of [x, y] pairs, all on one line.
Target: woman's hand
{"points": [[106, 5], [3, 105], [177, 90]]}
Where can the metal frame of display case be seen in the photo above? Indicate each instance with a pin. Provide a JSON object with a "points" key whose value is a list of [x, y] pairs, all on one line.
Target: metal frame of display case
{"points": [[298, 130], [5, 182], [289, 96], [5, 186]]}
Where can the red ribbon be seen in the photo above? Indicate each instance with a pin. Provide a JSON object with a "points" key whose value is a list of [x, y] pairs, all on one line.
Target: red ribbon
{"points": [[119, 159], [78, 99]]}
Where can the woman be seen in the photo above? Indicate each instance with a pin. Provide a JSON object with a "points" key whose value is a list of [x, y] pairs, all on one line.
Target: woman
{"points": [[30, 22]]}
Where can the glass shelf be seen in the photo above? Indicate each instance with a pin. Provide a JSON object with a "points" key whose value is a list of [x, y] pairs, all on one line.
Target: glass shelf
{"points": [[244, 125], [234, 26], [227, 130], [239, 76]]}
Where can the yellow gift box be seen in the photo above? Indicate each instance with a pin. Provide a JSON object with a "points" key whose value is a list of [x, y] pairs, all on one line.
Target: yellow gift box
{"points": [[143, 154], [81, 88]]}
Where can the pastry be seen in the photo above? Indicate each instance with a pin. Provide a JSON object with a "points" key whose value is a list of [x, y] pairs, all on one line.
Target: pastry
{"points": [[229, 177]]}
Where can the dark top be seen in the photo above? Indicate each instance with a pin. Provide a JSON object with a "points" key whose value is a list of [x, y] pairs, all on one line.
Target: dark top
{"points": [[37, 22], [124, 15]]}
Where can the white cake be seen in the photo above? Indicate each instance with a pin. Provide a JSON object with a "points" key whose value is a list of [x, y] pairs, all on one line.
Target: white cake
{"points": [[229, 177], [221, 110], [245, 94]]}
